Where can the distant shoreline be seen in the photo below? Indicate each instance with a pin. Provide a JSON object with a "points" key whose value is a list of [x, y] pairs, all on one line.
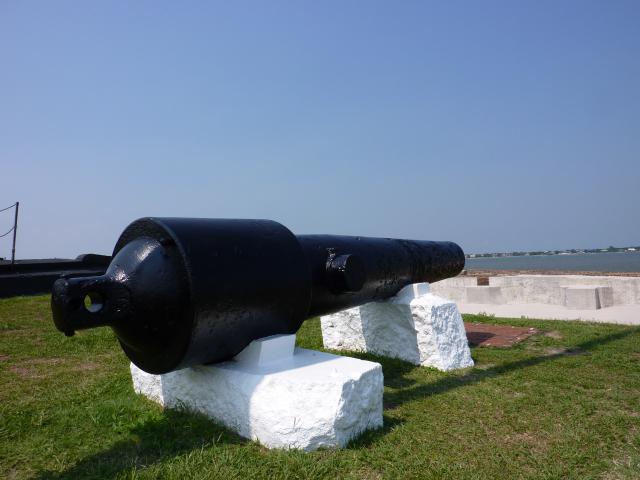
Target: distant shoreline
{"points": [[484, 272], [552, 253]]}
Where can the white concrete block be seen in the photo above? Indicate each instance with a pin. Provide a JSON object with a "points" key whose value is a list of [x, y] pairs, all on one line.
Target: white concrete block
{"points": [[484, 294], [306, 400], [414, 290], [268, 349], [416, 327], [587, 297]]}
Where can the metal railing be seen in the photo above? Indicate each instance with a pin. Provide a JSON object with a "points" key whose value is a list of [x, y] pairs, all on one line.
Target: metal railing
{"points": [[13, 229]]}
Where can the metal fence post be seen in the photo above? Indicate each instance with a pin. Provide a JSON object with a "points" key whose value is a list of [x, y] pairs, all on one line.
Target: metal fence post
{"points": [[15, 229]]}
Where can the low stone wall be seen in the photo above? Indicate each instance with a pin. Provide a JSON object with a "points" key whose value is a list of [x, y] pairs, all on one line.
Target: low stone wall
{"points": [[32, 277], [454, 288], [545, 289]]}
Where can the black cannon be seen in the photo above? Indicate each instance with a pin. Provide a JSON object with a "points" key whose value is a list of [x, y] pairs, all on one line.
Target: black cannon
{"points": [[188, 291]]}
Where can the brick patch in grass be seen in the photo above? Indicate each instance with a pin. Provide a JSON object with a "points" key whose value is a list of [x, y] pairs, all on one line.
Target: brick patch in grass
{"points": [[484, 335]]}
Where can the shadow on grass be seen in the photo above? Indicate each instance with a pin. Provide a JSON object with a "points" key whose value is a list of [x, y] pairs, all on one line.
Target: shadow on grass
{"points": [[394, 370], [153, 442], [180, 432], [449, 383]]}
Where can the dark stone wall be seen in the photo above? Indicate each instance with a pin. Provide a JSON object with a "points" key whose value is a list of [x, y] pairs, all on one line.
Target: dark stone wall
{"points": [[32, 277]]}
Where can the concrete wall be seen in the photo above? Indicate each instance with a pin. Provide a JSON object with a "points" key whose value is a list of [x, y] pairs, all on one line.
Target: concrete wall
{"points": [[546, 289], [454, 288]]}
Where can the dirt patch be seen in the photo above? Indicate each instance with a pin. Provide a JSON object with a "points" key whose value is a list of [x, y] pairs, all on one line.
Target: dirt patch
{"points": [[485, 335], [552, 352], [4, 358], [368, 474], [25, 372], [22, 333], [556, 335], [44, 361], [86, 366], [13, 474], [484, 366], [38, 367], [527, 440], [9, 330]]}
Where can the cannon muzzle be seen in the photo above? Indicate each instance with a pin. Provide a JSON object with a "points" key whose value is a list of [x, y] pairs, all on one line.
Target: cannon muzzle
{"points": [[186, 291]]}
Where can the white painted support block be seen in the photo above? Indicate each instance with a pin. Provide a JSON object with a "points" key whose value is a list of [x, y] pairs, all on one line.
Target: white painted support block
{"points": [[267, 350], [415, 326], [279, 395], [484, 294]]}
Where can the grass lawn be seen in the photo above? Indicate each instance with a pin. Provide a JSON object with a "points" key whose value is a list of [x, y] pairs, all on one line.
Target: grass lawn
{"points": [[563, 404]]}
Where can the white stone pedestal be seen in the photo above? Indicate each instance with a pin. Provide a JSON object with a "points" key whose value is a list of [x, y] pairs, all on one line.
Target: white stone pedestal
{"points": [[415, 326], [279, 395]]}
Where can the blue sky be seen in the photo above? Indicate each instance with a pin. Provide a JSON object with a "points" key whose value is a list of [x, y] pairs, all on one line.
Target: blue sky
{"points": [[499, 125]]}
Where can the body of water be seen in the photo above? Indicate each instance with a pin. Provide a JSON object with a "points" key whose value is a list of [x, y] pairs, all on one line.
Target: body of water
{"points": [[586, 262]]}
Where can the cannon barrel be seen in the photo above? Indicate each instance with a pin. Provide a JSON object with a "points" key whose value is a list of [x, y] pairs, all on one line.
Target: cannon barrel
{"points": [[186, 291]]}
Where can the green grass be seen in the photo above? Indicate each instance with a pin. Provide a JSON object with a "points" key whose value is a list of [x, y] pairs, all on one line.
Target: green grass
{"points": [[563, 404]]}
